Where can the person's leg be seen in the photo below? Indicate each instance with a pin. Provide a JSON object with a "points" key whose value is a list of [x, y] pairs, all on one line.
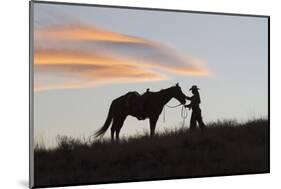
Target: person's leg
{"points": [[193, 121], [200, 120]]}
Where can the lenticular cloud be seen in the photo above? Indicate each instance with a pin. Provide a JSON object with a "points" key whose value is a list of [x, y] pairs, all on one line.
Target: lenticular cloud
{"points": [[86, 56]]}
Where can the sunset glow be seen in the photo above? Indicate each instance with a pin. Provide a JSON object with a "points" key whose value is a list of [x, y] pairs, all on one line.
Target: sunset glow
{"points": [[87, 33], [77, 52], [84, 57]]}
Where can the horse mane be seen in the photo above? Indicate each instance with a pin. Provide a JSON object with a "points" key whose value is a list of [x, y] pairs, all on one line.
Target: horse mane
{"points": [[167, 88]]}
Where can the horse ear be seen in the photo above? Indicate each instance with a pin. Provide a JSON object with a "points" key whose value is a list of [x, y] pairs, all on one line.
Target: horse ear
{"points": [[177, 84]]}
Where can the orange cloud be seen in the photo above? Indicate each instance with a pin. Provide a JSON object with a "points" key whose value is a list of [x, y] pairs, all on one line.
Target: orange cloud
{"points": [[79, 70], [78, 32], [47, 56], [63, 58]]}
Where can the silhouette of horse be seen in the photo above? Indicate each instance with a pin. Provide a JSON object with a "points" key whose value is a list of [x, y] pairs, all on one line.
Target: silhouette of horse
{"points": [[149, 105]]}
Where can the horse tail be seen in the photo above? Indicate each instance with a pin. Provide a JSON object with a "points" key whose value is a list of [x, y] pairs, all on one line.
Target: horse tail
{"points": [[107, 123]]}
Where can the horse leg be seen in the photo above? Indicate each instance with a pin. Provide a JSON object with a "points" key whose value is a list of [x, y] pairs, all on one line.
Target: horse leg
{"points": [[112, 132], [114, 128], [153, 122], [118, 127]]}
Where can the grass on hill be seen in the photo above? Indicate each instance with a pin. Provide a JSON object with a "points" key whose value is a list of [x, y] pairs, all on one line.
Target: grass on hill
{"points": [[224, 148]]}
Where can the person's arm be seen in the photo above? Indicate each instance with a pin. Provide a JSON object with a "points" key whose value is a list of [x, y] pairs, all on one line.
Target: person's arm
{"points": [[188, 98], [190, 104]]}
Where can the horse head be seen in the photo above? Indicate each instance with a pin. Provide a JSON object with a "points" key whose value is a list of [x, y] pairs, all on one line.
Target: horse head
{"points": [[178, 94]]}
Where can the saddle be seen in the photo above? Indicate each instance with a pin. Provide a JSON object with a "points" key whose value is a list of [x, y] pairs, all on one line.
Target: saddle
{"points": [[136, 104]]}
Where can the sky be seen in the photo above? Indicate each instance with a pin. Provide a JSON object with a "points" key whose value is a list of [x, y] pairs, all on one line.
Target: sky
{"points": [[85, 57]]}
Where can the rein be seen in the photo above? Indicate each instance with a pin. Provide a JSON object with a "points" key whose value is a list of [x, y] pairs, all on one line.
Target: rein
{"points": [[184, 112], [173, 106]]}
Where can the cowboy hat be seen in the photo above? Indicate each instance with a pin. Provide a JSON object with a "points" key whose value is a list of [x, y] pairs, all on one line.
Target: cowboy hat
{"points": [[194, 87]]}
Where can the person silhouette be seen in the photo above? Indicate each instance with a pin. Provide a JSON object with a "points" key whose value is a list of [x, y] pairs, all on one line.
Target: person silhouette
{"points": [[196, 111]]}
